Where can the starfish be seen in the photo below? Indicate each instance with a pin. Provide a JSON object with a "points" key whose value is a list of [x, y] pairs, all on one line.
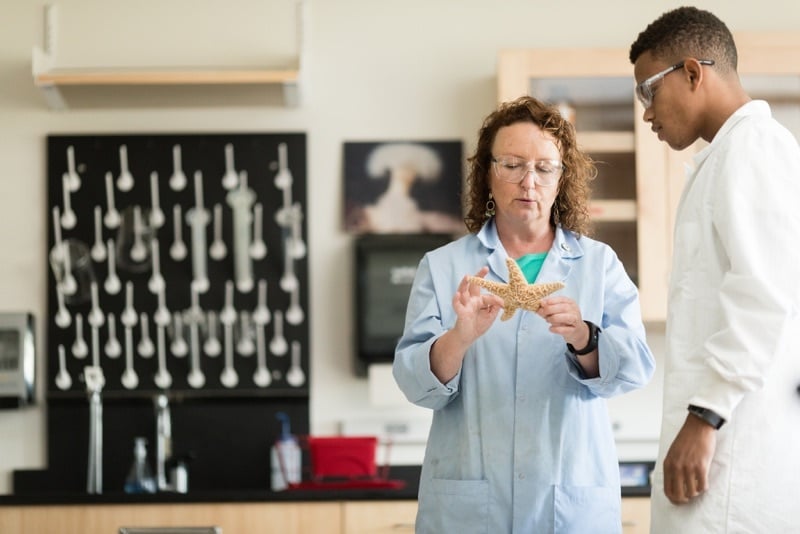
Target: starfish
{"points": [[517, 293]]}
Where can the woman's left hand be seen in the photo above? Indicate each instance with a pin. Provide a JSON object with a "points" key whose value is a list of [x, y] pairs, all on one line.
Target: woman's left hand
{"points": [[564, 317]]}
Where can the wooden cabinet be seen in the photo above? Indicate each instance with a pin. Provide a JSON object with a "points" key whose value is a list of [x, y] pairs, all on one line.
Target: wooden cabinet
{"points": [[288, 518], [368, 517], [335, 517], [639, 178], [635, 515], [629, 201], [377, 517], [11, 519]]}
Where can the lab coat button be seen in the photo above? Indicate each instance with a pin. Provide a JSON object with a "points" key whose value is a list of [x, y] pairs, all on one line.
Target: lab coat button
{"points": [[521, 476], [565, 247]]}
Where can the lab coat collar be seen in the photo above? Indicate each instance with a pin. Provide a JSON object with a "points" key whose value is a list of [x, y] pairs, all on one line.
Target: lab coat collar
{"points": [[752, 108], [556, 266]]}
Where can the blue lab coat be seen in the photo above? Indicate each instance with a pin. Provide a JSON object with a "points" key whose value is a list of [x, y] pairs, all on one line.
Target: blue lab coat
{"points": [[520, 440]]}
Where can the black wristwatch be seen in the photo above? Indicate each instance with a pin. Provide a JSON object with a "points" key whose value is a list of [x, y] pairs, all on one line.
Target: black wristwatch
{"points": [[594, 333], [709, 416]]}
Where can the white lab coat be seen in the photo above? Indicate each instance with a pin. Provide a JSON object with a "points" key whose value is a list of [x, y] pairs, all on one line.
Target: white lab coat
{"points": [[733, 329]]}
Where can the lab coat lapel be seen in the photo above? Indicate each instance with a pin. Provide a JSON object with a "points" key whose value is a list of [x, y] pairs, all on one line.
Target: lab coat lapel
{"points": [[557, 265]]}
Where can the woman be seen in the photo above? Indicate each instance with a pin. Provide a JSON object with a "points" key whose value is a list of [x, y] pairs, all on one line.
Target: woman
{"points": [[521, 440]]}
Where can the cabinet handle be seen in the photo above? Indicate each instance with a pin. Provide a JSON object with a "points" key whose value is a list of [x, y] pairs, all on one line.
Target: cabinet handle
{"points": [[403, 526], [629, 523]]}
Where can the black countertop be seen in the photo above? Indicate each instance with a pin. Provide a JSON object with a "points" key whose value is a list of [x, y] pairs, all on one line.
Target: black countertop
{"points": [[408, 474]]}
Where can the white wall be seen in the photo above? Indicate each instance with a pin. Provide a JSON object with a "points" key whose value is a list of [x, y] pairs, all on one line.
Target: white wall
{"points": [[392, 69]]}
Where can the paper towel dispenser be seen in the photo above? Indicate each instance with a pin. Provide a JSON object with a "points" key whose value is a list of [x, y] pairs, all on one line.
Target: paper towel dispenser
{"points": [[17, 359]]}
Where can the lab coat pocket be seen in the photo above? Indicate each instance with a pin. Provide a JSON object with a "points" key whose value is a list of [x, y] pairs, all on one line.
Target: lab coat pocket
{"points": [[455, 504], [581, 509]]}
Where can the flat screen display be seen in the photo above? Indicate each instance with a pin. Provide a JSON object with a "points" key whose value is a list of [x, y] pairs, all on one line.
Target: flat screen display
{"points": [[385, 270]]}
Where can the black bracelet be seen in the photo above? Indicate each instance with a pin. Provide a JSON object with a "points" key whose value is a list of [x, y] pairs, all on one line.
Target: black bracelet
{"points": [[709, 416], [594, 334]]}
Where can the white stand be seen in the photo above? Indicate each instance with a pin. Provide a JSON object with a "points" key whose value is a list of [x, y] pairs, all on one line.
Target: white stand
{"points": [[294, 313], [113, 349], [262, 377], [162, 378], [156, 282], [138, 250], [112, 217], [125, 179], [245, 346], [98, 251], [178, 347], [197, 219], [217, 250], [229, 378], [63, 319], [178, 249], [63, 380], [93, 375], [295, 377], [68, 218], [258, 249], [157, 217], [261, 315], [240, 200], [212, 347], [230, 179], [128, 316], [96, 316], [74, 179], [79, 347], [129, 377], [145, 348], [178, 180], [278, 345], [112, 284]]}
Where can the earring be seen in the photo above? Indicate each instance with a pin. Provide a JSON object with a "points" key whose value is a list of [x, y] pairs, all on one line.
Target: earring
{"points": [[554, 209], [489, 207]]}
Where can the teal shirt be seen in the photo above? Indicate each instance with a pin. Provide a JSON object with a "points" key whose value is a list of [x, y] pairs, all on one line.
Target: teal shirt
{"points": [[531, 264]]}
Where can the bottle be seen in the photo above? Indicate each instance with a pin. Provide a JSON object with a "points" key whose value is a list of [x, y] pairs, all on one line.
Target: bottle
{"points": [[285, 457], [140, 477]]}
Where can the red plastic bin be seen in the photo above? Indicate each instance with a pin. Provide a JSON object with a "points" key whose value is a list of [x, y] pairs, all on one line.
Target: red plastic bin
{"points": [[344, 462], [342, 457]]}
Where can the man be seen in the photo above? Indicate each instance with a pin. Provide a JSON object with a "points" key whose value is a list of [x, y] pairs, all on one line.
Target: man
{"points": [[729, 457]]}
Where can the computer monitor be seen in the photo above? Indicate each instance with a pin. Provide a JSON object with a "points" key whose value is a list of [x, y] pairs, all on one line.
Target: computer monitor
{"points": [[385, 268]]}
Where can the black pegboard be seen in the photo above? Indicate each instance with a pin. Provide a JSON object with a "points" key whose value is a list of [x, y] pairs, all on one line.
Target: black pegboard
{"points": [[96, 155]]}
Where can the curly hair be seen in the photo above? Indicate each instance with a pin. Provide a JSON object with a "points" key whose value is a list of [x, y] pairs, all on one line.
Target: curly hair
{"points": [[688, 32], [571, 206]]}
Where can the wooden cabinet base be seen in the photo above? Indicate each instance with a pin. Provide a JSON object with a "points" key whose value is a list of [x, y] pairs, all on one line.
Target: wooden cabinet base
{"points": [[233, 518]]}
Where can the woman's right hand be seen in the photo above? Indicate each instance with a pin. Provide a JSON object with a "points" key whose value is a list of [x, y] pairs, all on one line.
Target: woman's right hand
{"points": [[476, 311]]}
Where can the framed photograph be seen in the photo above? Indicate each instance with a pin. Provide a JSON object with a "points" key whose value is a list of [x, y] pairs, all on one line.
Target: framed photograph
{"points": [[403, 187]]}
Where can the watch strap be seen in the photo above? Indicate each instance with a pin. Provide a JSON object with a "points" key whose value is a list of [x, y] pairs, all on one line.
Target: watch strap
{"points": [[709, 416], [594, 334]]}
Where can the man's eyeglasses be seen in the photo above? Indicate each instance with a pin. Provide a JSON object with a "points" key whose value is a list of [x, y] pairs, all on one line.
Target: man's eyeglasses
{"points": [[645, 92], [546, 172]]}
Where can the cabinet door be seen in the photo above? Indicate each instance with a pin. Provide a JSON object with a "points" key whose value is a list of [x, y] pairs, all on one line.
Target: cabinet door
{"points": [[10, 519], [630, 201], [371, 517], [641, 178], [289, 518], [635, 515]]}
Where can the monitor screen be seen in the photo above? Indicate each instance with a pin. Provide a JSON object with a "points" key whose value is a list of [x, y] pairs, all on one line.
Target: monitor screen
{"points": [[385, 270]]}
